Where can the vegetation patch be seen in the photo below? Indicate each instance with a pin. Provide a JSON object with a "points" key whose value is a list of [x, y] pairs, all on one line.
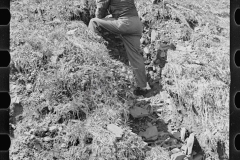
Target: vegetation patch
{"points": [[69, 87]]}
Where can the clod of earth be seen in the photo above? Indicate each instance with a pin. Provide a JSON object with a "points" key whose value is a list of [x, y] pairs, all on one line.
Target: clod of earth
{"points": [[188, 158], [16, 109], [53, 128], [32, 137], [151, 133], [32, 131], [161, 133], [154, 35], [54, 59], [137, 112], [56, 21], [27, 133], [142, 40], [183, 134], [130, 103], [41, 133], [117, 131], [37, 145], [184, 148], [146, 50], [28, 86], [190, 143], [47, 139], [63, 145], [124, 69], [198, 157], [159, 110], [15, 158], [149, 124], [15, 100], [71, 32], [170, 107], [168, 101], [175, 150], [173, 142], [183, 48], [178, 156], [60, 129], [176, 134]]}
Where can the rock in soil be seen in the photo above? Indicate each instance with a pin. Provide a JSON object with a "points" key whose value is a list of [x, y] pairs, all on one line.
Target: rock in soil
{"points": [[198, 157], [16, 109], [116, 130], [151, 133], [184, 148], [190, 143], [71, 32], [37, 145], [188, 157], [41, 133], [32, 137], [53, 128], [154, 35], [178, 156], [176, 134], [137, 112], [146, 50], [32, 131], [183, 134], [63, 145], [47, 139], [175, 150], [28, 86]]}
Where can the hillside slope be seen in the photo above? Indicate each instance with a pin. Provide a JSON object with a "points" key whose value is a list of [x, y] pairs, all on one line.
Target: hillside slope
{"points": [[69, 87]]}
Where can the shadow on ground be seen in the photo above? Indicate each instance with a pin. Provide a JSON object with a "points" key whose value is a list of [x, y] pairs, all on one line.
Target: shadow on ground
{"points": [[221, 150], [115, 46]]}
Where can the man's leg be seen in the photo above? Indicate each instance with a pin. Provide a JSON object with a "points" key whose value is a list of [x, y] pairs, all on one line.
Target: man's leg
{"points": [[109, 24], [132, 45]]}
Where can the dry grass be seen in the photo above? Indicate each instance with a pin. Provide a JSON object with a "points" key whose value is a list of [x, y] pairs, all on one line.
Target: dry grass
{"points": [[76, 86]]}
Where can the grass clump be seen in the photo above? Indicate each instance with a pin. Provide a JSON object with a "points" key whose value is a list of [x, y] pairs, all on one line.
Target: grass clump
{"points": [[71, 89], [76, 86]]}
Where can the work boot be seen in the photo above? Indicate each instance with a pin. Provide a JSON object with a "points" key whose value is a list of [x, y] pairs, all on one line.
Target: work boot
{"points": [[140, 92]]}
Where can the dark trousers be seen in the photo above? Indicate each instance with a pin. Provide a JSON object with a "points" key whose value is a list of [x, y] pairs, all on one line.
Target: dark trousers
{"points": [[130, 31]]}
